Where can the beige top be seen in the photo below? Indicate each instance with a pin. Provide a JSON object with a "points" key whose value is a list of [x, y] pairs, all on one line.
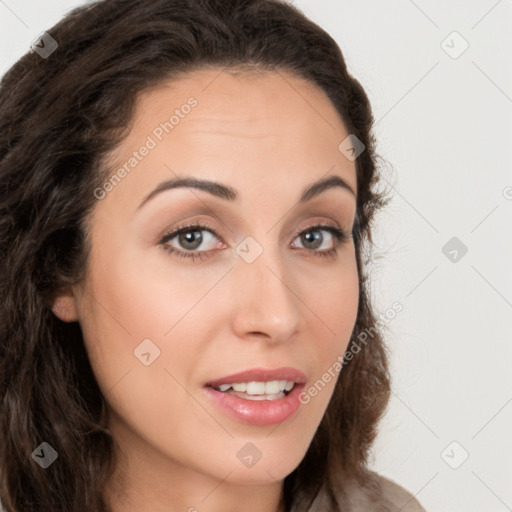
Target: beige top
{"points": [[395, 497], [386, 496], [400, 499]]}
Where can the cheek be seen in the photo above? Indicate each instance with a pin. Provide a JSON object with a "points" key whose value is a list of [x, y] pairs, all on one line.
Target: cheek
{"points": [[334, 300], [137, 295], [140, 298], [130, 311], [335, 305]]}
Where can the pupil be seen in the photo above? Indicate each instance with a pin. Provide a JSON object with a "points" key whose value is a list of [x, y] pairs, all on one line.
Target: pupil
{"points": [[191, 237], [316, 236]]}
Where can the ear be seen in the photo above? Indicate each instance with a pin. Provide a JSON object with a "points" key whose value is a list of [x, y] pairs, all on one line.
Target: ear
{"points": [[64, 306]]}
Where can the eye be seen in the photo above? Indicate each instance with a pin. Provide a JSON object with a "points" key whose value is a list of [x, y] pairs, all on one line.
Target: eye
{"points": [[313, 239], [189, 238]]}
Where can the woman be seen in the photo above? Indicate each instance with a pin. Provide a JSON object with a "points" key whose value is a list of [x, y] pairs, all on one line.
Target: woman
{"points": [[187, 189]]}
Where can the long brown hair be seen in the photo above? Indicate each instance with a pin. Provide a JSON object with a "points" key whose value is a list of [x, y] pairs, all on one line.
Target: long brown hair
{"points": [[60, 116]]}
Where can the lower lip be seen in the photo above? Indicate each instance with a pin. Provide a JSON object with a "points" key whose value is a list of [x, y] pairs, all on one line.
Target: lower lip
{"points": [[264, 412]]}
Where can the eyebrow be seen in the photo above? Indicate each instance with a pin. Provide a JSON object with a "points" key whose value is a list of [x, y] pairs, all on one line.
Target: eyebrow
{"points": [[230, 194]]}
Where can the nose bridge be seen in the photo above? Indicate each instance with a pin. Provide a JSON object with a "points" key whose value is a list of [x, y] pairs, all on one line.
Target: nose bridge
{"points": [[265, 300]]}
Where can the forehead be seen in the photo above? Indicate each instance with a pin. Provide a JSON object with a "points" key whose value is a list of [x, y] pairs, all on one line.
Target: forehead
{"points": [[244, 128], [262, 104]]}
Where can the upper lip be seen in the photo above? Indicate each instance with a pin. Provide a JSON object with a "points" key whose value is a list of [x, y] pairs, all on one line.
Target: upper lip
{"points": [[261, 375]]}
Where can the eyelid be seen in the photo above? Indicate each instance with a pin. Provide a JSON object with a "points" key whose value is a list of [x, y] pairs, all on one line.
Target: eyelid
{"points": [[339, 234], [199, 224]]}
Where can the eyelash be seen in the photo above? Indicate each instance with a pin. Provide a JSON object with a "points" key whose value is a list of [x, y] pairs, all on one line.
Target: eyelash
{"points": [[340, 237]]}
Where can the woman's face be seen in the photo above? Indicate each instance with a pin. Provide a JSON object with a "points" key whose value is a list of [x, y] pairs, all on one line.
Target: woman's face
{"points": [[248, 291]]}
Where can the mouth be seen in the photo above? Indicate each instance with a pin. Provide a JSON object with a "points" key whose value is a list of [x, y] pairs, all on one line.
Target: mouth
{"points": [[270, 390], [260, 382], [258, 396]]}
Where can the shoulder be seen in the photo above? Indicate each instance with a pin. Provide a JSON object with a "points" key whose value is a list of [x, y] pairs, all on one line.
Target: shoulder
{"points": [[379, 493], [399, 497]]}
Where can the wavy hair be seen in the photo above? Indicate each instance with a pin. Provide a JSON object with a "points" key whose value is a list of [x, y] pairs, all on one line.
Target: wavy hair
{"points": [[60, 117]]}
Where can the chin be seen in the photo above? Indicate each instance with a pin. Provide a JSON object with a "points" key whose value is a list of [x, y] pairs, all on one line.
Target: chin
{"points": [[261, 476], [266, 470]]}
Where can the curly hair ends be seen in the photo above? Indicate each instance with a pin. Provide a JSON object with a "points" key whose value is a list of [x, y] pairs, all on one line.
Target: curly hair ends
{"points": [[59, 119]]}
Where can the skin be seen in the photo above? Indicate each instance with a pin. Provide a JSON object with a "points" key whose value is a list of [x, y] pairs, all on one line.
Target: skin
{"points": [[267, 135]]}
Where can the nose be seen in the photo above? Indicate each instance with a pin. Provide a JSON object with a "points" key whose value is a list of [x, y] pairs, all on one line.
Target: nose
{"points": [[265, 301]]}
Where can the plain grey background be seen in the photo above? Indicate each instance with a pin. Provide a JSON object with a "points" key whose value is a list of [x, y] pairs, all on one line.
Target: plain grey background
{"points": [[439, 78]]}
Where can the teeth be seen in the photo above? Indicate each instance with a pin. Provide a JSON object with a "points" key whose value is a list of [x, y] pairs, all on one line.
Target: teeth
{"points": [[263, 397], [272, 387], [288, 386], [255, 388]]}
